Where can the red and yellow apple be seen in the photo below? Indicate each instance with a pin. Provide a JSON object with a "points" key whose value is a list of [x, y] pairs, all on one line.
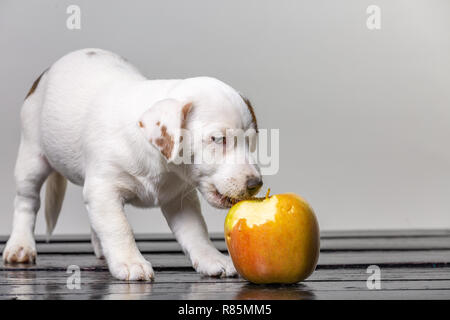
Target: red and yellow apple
{"points": [[273, 240]]}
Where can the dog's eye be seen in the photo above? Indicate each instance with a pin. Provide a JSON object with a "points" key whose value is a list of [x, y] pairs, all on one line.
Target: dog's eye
{"points": [[219, 140]]}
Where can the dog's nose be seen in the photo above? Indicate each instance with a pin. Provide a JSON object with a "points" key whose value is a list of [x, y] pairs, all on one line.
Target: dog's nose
{"points": [[253, 185]]}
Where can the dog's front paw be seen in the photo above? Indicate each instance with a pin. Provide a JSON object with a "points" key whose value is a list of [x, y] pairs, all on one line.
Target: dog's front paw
{"points": [[132, 269], [20, 250], [211, 262]]}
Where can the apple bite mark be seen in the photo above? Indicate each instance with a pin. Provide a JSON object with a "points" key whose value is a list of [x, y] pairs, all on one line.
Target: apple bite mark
{"points": [[255, 212]]}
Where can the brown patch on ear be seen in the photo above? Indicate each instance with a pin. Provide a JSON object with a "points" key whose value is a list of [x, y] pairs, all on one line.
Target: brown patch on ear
{"points": [[184, 114], [158, 123], [35, 84], [252, 112], [165, 142], [141, 124]]}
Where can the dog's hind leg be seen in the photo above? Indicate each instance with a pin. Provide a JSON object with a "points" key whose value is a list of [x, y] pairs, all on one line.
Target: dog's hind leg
{"points": [[32, 168], [31, 171]]}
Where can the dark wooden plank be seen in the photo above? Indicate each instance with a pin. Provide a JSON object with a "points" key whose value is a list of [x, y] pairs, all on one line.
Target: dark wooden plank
{"points": [[350, 234], [239, 294], [99, 285], [386, 259], [137, 292], [327, 245], [144, 247], [326, 260], [34, 277], [385, 244], [74, 238], [90, 262], [409, 233]]}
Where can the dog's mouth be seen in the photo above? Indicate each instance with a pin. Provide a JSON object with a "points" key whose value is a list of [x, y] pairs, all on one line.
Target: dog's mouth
{"points": [[223, 201], [220, 200]]}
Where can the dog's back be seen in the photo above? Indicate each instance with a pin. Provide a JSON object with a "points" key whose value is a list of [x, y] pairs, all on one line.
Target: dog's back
{"points": [[54, 113]]}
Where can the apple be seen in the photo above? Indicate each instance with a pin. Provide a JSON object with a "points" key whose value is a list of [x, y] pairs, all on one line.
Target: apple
{"points": [[273, 239]]}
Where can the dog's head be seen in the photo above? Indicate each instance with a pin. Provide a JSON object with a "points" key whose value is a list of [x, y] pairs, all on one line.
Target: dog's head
{"points": [[206, 131]]}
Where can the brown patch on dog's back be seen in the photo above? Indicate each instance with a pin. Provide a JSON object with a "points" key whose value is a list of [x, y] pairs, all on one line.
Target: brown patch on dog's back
{"points": [[35, 85], [165, 142], [252, 112]]}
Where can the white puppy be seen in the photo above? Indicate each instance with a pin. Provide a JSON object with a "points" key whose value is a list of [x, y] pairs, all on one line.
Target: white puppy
{"points": [[93, 119]]}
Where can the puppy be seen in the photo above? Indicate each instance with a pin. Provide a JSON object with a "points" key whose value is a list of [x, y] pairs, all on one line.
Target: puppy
{"points": [[95, 120]]}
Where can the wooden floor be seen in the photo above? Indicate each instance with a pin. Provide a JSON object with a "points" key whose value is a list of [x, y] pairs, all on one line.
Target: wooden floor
{"points": [[414, 265]]}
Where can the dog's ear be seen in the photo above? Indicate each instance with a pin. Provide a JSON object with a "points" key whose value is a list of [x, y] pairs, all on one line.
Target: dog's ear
{"points": [[162, 124]]}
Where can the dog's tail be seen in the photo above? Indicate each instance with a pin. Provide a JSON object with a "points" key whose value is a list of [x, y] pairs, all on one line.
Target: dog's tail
{"points": [[54, 196]]}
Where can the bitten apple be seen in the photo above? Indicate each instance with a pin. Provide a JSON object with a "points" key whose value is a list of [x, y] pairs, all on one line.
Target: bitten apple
{"points": [[274, 239]]}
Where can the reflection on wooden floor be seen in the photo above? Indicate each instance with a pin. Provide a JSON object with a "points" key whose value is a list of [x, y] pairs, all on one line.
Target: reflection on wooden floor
{"points": [[413, 264]]}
